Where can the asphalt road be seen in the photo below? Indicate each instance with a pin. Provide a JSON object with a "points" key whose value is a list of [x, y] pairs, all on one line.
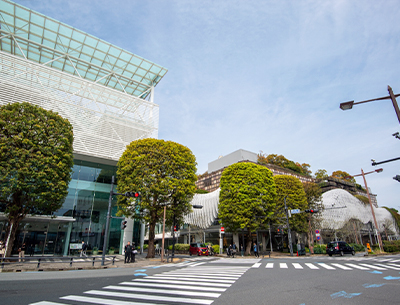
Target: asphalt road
{"points": [[297, 280]]}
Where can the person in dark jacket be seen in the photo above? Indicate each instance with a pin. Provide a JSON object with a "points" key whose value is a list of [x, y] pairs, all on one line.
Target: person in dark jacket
{"points": [[128, 252]]}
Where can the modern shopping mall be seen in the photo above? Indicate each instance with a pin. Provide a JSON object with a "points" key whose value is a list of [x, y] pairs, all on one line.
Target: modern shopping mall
{"points": [[107, 95]]}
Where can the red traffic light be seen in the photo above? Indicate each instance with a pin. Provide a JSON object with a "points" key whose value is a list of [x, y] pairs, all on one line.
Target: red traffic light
{"points": [[132, 194], [311, 211]]}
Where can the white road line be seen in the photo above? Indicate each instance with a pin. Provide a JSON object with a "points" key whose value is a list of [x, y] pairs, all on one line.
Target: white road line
{"points": [[46, 303], [150, 297], [256, 265], [388, 266], [211, 281], [373, 266], [395, 265], [203, 276], [165, 291], [384, 260], [197, 264], [396, 260], [326, 266], [297, 266], [183, 282], [341, 266], [283, 265], [269, 265], [357, 266], [182, 287], [311, 266], [101, 301]]}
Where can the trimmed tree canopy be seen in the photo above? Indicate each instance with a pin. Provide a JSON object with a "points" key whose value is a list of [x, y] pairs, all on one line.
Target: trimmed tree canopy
{"points": [[296, 199], [164, 172], [35, 161], [247, 192]]}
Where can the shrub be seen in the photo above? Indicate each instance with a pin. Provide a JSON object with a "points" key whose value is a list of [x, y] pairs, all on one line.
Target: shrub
{"points": [[391, 246], [216, 248], [358, 247], [320, 249]]}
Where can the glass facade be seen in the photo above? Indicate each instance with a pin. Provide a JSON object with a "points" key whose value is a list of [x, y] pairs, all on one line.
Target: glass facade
{"points": [[87, 204]]}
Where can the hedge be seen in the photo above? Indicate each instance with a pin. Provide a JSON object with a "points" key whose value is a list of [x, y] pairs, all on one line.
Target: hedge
{"points": [[391, 246]]}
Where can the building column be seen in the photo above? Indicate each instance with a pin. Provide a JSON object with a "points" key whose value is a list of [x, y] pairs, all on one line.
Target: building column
{"points": [[67, 239], [128, 233], [236, 239], [263, 241]]}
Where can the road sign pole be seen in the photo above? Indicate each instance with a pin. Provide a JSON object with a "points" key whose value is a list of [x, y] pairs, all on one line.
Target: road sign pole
{"points": [[289, 232]]}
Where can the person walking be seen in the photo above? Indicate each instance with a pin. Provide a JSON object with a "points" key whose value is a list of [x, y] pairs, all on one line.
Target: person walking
{"points": [[241, 250], [255, 249], [128, 252], [133, 253], [21, 253], [83, 250], [234, 249]]}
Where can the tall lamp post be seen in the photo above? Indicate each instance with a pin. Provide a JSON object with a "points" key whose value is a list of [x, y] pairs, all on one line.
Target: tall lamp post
{"points": [[370, 203], [349, 105]]}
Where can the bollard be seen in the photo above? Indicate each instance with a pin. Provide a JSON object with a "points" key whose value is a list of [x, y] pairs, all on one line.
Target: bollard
{"points": [[38, 263], [93, 261]]}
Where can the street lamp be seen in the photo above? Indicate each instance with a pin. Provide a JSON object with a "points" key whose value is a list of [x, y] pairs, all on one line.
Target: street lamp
{"points": [[370, 203], [349, 105]]}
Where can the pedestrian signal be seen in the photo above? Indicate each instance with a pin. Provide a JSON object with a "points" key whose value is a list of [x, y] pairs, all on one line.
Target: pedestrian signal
{"points": [[123, 224]]}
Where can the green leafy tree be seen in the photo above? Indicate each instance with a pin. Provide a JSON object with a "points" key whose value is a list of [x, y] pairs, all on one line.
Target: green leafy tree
{"points": [[314, 200], [343, 176], [247, 197], [291, 188], [321, 174], [164, 172], [35, 163]]}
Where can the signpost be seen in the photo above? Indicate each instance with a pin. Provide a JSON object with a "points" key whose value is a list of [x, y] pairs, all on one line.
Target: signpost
{"points": [[317, 235], [295, 211]]}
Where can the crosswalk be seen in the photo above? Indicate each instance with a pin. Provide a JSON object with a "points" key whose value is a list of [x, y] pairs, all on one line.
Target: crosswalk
{"points": [[188, 285], [331, 266]]}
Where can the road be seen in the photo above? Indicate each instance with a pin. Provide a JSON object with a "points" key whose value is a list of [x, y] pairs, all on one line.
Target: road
{"points": [[286, 280]]}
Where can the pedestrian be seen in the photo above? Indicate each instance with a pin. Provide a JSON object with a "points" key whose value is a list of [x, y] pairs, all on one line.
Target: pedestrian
{"points": [[21, 253], [230, 252], [241, 250], [31, 250], [255, 249], [84, 248], [128, 252], [2, 249], [234, 249], [133, 253]]}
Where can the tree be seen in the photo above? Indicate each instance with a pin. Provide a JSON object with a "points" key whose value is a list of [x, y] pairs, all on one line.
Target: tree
{"points": [[314, 195], [343, 176], [321, 174], [291, 188], [35, 163], [164, 172], [247, 197]]}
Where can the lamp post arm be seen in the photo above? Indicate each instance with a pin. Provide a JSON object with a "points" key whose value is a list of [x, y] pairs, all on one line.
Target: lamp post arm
{"points": [[386, 161], [395, 105]]}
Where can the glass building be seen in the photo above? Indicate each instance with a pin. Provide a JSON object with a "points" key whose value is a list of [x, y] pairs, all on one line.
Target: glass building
{"points": [[107, 95]]}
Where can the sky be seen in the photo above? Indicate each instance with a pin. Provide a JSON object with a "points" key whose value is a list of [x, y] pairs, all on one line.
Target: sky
{"points": [[265, 76]]}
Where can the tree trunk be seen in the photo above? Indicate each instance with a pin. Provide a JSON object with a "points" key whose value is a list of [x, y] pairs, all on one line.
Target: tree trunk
{"points": [[11, 231], [249, 242], [150, 249]]}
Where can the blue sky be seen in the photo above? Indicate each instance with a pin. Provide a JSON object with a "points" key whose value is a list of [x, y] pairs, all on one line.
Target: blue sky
{"points": [[265, 76]]}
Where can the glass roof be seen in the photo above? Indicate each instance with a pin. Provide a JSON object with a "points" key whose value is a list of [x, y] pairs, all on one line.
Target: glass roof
{"points": [[60, 46]]}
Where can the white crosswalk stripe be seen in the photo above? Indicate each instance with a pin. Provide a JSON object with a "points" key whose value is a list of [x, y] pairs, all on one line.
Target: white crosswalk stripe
{"points": [[190, 285], [269, 265], [311, 266], [283, 265], [297, 266], [373, 266], [341, 266], [326, 266], [357, 266]]}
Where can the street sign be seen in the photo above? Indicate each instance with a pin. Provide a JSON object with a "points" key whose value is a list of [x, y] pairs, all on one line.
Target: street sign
{"points": [[316, 231], [318, 237], [295, 211], [222, 230]]}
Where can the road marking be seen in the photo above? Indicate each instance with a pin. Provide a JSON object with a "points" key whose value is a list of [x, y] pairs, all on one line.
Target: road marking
{"points": [[197, 264], [357, 267], [101, 301], [373, 267], [166, 291], [183, 282], [256, 265], [149, 297], [211, 281], [388, 266], [326, 266], [341, 266], [205, 276], [269, 265], [297, 266], [46, 303], [283, 265], [311, 266], [182, 287], [396, 260]]}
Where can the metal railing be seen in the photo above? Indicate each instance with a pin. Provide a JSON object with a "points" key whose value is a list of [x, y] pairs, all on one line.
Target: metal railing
{"points": [[5, 261]]}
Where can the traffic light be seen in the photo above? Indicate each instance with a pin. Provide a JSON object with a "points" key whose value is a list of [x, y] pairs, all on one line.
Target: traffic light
{"points": [[123, 224], [311, 211], [279, 231], [397, 177], [132, 194]]}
